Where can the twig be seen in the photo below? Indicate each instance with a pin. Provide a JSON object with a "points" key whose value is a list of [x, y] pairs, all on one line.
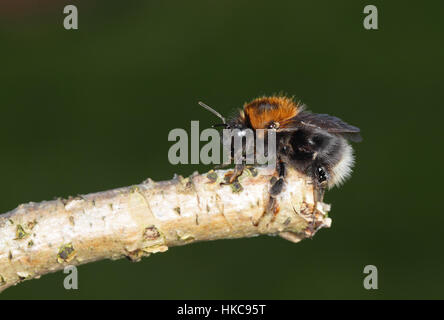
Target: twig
{"points": [[136, 221]]}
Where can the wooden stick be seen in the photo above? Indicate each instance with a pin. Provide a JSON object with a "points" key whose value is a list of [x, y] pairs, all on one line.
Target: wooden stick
{"points": [[136, 221]]}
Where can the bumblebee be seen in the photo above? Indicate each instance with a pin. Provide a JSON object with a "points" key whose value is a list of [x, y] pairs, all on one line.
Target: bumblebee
{"points": [[315, 144]]}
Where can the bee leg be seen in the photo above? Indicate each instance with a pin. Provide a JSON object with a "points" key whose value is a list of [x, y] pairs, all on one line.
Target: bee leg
{"points": [[276, 188], [271, 207], [238, 170], [320, 178], [278, 184]]}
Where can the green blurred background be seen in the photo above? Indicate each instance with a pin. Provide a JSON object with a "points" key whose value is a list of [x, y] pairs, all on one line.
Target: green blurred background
{"points": [[90, 110]]}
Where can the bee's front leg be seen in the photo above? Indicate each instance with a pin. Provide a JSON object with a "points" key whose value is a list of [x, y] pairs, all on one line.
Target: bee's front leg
{"points": [[232, 176]]}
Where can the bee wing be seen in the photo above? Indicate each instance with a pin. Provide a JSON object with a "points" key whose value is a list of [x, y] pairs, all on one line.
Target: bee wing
{"points": [[323, 121]]}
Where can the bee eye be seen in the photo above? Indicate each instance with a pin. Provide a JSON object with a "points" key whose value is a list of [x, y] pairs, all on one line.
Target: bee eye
{"points": [[273, 125]]}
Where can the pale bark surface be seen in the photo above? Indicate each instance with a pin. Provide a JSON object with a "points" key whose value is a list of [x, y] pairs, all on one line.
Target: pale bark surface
{"points": [[136, 221]]}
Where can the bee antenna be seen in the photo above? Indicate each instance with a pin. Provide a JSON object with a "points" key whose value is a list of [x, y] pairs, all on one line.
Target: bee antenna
{"points": [[212, 111]]}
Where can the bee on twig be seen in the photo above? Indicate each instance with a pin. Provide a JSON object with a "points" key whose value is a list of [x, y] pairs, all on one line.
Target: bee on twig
{"points": [[315, 144]]}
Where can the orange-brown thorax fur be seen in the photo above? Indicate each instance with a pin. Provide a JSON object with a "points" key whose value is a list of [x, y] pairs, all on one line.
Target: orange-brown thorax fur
{"points": [[262, 111]]}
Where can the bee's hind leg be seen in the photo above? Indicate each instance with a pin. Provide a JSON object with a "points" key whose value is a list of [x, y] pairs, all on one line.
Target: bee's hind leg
{"points": [[320, 178]]}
